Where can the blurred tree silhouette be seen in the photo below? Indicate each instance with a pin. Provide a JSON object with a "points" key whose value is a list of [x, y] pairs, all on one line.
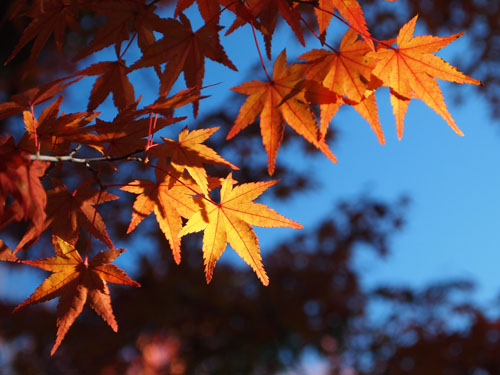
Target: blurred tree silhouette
{"points": [[177, 324]]}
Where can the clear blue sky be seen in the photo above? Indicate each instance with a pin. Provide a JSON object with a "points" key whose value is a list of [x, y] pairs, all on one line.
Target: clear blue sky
{"points": [[453, 181]]}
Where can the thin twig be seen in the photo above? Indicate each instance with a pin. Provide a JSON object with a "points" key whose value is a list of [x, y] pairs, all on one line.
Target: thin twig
{"points": [[72, 159]]}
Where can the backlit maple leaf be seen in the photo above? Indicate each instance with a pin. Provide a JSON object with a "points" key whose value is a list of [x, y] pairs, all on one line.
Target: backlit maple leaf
{"points": [[75, 281], [409, 70], [6, 254], [346, 72], [231, 220], [266, 99], [349, 9], [190, 153], [170, 199]]}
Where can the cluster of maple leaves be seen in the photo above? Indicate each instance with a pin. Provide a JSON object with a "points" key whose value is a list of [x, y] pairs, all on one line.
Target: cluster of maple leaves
{"points": [[181, 194]]}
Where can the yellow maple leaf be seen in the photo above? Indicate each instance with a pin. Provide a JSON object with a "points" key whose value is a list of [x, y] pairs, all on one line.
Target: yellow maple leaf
{"points": [[231, 220]]}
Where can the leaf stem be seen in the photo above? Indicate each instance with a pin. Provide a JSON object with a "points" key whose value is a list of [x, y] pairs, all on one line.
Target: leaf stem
{"points": [[86, 261], [127, 47], [208, 199], [316, 34], [315, 4], [37, 145], [258, 50]]}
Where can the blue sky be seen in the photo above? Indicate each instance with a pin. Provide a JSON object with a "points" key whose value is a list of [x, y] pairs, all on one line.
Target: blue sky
{"points": [[452, 181]]}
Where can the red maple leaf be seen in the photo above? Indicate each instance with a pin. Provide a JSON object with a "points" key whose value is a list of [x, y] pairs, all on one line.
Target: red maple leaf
{"points": [[263, 14], [184, 51], [20, 180], [112, 79], [48, 17], [67, 213], [55, 134]]}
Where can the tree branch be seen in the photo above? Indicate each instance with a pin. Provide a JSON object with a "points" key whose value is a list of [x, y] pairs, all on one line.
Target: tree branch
{"points": [[72, 159]]}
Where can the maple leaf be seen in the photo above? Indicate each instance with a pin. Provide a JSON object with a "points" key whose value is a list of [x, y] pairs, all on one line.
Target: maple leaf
{"points": [[346, 72], [34, 96], [68, 212], [170, 199], [409, 70], [6, 254], [263, 14], [48, 16], [165, 106], [75, 281], [189, 153], [112, 79], [184, 51], [231, 220], [209, 9], [350, 10], [54, 133], [122, 16], [264, 99], [20, 180], [126, 134]]}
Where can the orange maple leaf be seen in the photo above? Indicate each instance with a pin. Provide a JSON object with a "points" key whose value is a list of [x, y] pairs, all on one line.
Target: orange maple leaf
{"points": [[6, 254], [350, 10], [190, 154], [264, 99], [170, 199], [346, 72], [231, 220], [409, 70], [75, 281]]}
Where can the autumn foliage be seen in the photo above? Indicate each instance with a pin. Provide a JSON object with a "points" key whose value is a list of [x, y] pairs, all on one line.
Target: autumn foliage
{"points": [[184, 196]]}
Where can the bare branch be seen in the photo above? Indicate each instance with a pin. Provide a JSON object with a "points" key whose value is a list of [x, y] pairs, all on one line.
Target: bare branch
{"points": [[72, 159]]}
